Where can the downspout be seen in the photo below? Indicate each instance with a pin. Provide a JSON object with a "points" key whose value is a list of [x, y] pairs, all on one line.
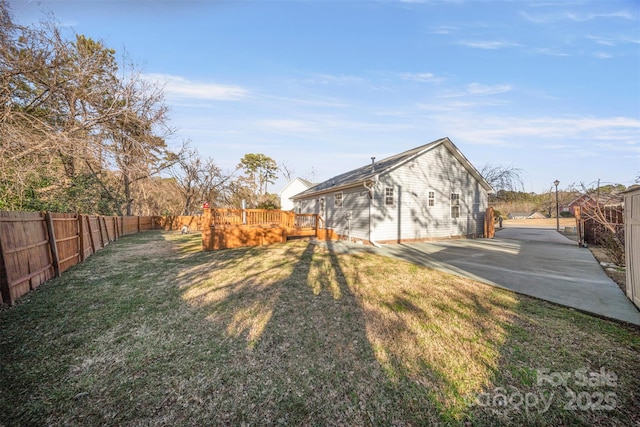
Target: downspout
{"points": [[371, 209]]}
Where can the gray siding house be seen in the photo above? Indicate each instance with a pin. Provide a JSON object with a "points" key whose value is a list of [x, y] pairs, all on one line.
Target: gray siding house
{"points": [[429, 192]]}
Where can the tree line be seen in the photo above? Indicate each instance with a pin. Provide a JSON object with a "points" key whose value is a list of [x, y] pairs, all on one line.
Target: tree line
{"points": [[82, 130]]}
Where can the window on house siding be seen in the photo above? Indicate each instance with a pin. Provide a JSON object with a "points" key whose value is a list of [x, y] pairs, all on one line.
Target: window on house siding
{"points": [[455, 205], [389, 198], [337, 199], [431, 200]]}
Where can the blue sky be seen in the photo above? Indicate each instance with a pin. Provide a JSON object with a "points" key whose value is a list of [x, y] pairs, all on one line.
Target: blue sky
{"points": [[550, 87]]}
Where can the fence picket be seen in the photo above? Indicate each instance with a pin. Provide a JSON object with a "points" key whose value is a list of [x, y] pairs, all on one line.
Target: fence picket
{"points": [[53, 245]]}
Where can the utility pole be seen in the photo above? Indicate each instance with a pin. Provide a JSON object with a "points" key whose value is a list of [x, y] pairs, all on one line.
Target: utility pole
{"points": [[556, 182]]}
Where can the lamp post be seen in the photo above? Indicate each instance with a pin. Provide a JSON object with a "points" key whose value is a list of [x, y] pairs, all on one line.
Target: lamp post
{"points": [[556, 182]]}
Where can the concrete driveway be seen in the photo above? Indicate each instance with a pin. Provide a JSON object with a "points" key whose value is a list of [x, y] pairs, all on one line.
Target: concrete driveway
{"points": [[538, 262]]}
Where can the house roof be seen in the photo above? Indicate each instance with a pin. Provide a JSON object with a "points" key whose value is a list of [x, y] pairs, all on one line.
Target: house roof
{"points": [[603, 200], [357, 177], [307, 184]]}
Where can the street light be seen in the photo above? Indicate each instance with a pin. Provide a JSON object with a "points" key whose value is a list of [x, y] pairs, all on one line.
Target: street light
{"points": [[556, 182]]}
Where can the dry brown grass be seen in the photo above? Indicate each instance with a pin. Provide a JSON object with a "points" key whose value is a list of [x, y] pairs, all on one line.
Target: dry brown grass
{"points": [[542, 222], [153, 332]]}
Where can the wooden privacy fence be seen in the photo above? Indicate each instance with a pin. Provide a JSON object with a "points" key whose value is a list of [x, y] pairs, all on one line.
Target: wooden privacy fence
{"points": [[176, 222], [35, 247], [232, 228], [632, 243]]}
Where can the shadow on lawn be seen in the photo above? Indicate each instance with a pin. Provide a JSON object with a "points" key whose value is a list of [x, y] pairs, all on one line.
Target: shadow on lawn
{"points": [[325, 345], [298, 339], [314, 342], [154, 333]]}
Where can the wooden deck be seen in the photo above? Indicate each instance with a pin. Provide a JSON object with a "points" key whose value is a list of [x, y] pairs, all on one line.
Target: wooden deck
{"points": [[230, 228]]}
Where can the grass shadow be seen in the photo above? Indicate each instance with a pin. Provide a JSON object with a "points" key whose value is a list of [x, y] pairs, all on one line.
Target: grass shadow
{"points": [[152, 331]]}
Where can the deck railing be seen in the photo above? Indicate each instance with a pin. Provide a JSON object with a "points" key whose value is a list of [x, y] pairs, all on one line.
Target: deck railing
{"points": [[305, 221], [286, 219]]}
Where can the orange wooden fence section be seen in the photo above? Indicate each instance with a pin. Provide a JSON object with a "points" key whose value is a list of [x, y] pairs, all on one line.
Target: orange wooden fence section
{"points": [[35, 247], [233, 228], [489, 224]]}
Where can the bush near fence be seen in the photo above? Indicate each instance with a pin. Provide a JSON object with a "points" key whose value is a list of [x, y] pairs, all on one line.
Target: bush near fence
{"points": [[37, 246]]}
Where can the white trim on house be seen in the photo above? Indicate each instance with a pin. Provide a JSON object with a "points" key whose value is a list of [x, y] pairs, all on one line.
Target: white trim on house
{"points": [[431, 198], [389, 196], [454, 204]]}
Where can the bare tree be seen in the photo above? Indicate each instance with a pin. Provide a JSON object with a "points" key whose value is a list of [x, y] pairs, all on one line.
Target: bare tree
{"points": [[505, 178], [134, 139], [601, 213], [287, 171], [198, 180]]}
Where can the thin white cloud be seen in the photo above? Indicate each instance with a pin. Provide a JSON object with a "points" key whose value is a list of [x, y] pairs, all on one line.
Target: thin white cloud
{"points": [[591, 16], [483, 129], [328, 79], [444, 30], [296, 126], [422, 77], [488, 44], [329, 103], [321, 124], [572, 16], [177, 87], [538, 19], [550, 52], [477, 89], [602, 41], [456, 106], [480, 89], [613, 41], [602, 55]]}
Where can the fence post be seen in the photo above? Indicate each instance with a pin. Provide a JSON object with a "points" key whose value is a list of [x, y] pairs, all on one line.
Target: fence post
{"points": [[106, 229], [207, 236], [53, 246], [102, 245], [93, 244], [81, 235], [5, 292]]}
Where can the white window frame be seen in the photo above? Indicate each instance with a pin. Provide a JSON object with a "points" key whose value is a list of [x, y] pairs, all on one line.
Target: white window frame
{"points": [[455, 205], [388, 197], [431, 198], [338, 199]]}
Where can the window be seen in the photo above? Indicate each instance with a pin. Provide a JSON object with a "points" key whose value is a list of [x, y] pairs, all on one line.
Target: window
{"points": [[389, 199], [455, 205], [337, 200], [431, 201]]}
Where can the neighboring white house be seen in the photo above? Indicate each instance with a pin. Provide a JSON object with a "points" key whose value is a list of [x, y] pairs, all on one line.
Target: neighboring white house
{"points": [[525, 215], [429, 192], [295, 186]]}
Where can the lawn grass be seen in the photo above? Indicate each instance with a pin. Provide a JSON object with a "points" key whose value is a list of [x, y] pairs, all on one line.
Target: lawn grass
{"points": [[151, 331]]}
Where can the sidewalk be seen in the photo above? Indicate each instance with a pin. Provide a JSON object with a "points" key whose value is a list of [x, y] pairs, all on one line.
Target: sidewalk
{"points": [[531, 261]]}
